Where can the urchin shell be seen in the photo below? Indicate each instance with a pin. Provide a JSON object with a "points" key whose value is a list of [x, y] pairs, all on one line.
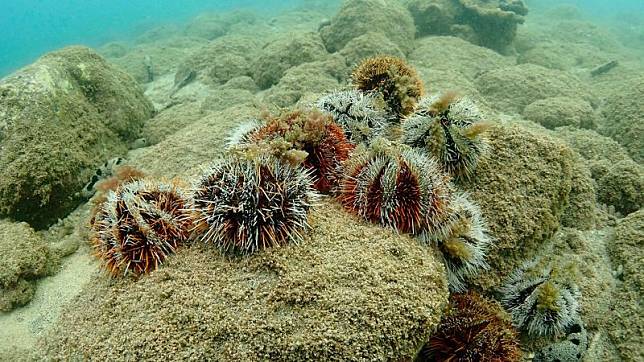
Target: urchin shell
{"points": [[139, 225], [522, 297], [465, 244], [356, 112], [404, 190], [450, 134], [397, 82], [247, 205], [473, 329]]}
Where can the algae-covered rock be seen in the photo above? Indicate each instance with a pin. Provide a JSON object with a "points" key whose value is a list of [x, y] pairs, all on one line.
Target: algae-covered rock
{"points": [[523, 189], [624, 115], [434, 17], [307, 81], [448, 53], [222, 59], [563, 55], [368, 45], [284, 53], [170, 120], [494, 23], [214, 25], [580, 211], [511, 89], [626, 326], [357, 17], [24, 257], [561, 111], [349, 291], [59, 118]]}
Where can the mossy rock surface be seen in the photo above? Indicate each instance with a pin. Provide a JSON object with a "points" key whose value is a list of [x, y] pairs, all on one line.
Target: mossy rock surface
{"points": [[522, 188], [626, 325], [357, 17], [285, 53], [369, 45], [59, 119], [511, 89], [24, 257], [349, 291], [561, 111], [624, 113]]}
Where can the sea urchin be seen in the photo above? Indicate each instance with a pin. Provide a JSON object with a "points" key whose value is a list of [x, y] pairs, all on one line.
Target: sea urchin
{"points": [[139, 225], [246, 205]]}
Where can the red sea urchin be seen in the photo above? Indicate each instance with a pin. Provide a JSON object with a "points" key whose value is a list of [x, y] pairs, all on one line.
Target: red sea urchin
{"points": [[247, 205], [307, 137], [473, 329], [402, 189], [139, 225]]}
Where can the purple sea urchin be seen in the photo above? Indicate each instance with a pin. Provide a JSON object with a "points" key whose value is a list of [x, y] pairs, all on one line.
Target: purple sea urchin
{"points": [[402, 189], [398, 83], [465, 244], [357, 113], [541, 299], [246, 205], [139, 225], [450, 129], [473, 329]]}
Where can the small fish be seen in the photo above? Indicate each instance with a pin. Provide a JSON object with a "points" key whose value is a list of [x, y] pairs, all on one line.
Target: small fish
{"points": [[106, 170]]}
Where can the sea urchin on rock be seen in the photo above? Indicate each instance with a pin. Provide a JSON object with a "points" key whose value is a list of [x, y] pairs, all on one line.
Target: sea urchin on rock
{"points": [[448, 128], [139, 225], [398, 83], [246, 205], [402, 189], [473, 329]]}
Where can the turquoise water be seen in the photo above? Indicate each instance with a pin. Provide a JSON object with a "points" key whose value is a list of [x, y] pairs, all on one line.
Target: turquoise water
{"points": [[33, 27]]}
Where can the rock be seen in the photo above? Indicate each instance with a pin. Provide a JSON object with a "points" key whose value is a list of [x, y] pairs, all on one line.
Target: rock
{"points": [[522, 188], [448, 53], [563, 56], [561, 111], [24, 257], [620, 185], [60, 118], [511, 89], [357, 17], [580, 211], [242, 82], [282, 54], [493, 25], [434, 17], [619, 180], [627, 253], [171, 120], [308, 80], [368, 45], [214, 25], [332, 297], [224, 98], [223, 59], [624, 112]]}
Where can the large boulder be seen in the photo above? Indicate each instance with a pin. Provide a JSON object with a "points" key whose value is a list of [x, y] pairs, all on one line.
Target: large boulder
{"points": [[561, 111], [511, 89], [523, 188], [348, 291], [60, 118], [369, 45], [357, 17], [626, 325], [285, 53], [624, 117]]}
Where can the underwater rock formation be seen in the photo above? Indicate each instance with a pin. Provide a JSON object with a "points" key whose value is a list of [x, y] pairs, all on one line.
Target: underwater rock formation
{"points": [[357, 17], [626, 250], [24, 257], [524, 189], [561, 111], [570, 349], [282, 54], [624, 112], [511, 89], [331, 297], [61, 117], [248, 205], [492, 24], [369, 45], [473, 329]]}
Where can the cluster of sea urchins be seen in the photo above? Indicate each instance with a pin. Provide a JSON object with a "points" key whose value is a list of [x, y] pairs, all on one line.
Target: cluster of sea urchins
{"points": [[139, 225], [449, 128], [245, 205], [306, 137]]}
